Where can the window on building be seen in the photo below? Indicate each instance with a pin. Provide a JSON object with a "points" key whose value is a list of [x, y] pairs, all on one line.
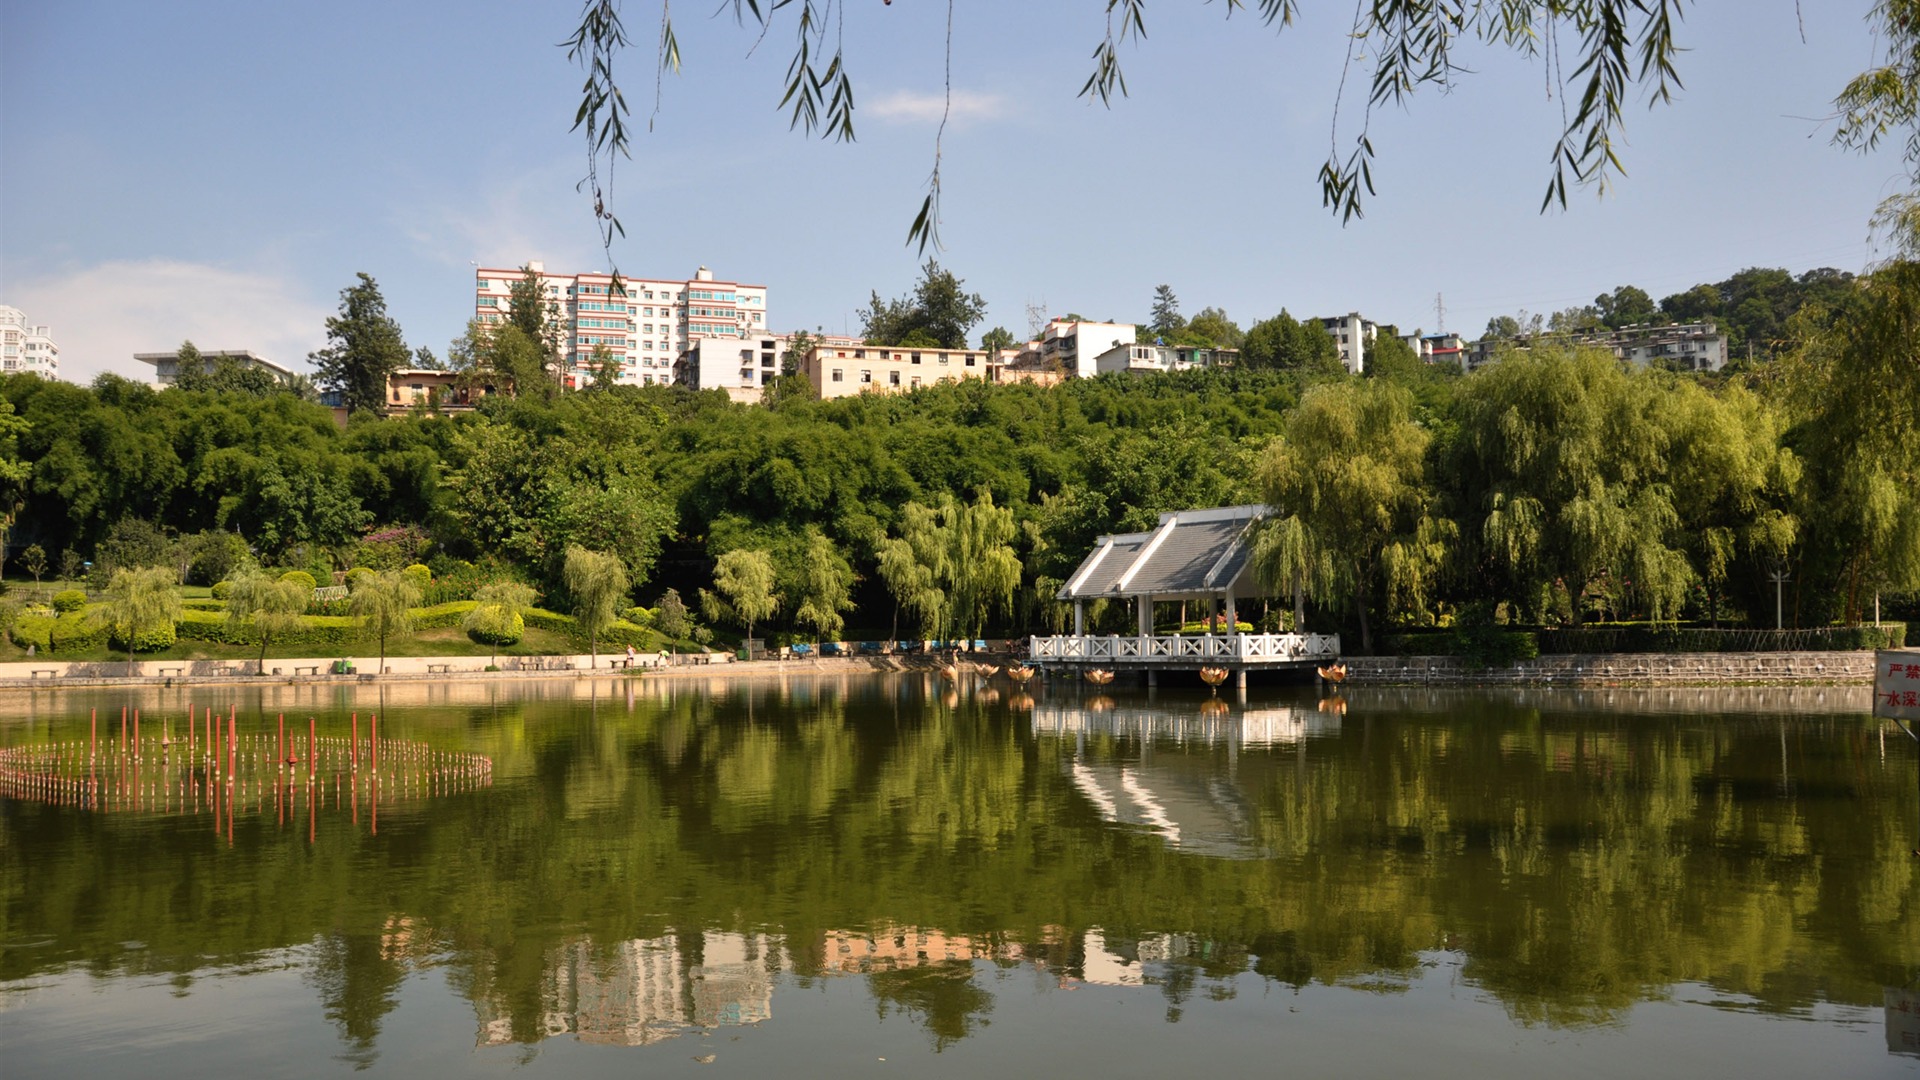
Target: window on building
{"points": [[893, 378], [837, 375], [866, 375], [916, 358], [972, 360]]}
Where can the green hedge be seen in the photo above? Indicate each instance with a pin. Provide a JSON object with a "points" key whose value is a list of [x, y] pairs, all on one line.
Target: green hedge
{"points": [[330, 631], [152, 639], [441, 616], [621, 634], [492, 627], [69, 600], [1481, 646], [1674, 639], [200, 604]]}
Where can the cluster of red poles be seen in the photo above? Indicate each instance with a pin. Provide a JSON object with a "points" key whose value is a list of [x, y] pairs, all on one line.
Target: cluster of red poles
{"points": [[217, 766]]}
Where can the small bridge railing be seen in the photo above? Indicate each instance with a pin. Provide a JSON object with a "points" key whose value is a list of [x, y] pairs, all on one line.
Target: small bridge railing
{"points": [[1183, 649]]}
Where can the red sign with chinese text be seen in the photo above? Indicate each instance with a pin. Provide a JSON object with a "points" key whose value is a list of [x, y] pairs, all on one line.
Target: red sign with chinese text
{"points": [[1896, 684]]}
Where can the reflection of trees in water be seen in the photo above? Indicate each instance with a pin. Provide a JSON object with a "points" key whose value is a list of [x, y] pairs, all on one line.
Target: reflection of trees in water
{"points": [[1577, 862], [359, 984], [943, 997]]}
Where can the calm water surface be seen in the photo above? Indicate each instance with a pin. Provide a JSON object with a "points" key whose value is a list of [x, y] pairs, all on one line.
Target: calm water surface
{"points": [[877, 876]]}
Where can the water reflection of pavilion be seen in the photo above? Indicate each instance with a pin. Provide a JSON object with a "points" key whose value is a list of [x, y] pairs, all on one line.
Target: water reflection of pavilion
{"points": [[1213, 722]]}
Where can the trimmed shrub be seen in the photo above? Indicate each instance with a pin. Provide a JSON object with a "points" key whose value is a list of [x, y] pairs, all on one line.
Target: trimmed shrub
{"points": [[356, 575], [327, 631], [300, 576], [33, 628], [420, 576], [74, 632], [492, 627], [151, 639], [200, 604], [639, 616], [69, 600], [222, 590], [441, 616], [1662, 639], [542, 619]]}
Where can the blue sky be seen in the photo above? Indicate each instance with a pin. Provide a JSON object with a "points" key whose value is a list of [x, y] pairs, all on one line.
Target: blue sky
{"points": [[219, 171]]}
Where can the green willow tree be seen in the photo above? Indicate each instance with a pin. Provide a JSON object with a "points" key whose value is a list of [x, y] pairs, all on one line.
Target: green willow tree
{"points": [[383, 601], [953, 565], [598, 584], [825, 589], [1349, 481], [1560, 467], [265, 606], [743, 592], [141, 607], [364, 348]]}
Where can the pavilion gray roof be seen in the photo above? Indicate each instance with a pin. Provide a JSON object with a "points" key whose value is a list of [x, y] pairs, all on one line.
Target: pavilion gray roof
{"points": [[1193, 553]]}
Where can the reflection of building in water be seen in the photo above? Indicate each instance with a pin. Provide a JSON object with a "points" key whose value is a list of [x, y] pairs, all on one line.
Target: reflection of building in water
{"points": [[645, 990], [1175, 788], [893, 948], [1237, 727], [1903, 1020], [1129, 962]]}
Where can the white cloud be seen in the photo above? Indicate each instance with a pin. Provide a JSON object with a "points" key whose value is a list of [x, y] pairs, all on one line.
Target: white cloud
{"points": [[100, 316], [908, 107]]}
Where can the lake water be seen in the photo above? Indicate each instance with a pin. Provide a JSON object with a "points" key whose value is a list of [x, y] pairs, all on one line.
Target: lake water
{"points": [[876, 876]]}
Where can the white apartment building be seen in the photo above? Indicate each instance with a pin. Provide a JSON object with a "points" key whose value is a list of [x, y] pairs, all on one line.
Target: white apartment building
{"points": [[837, 370], [1697, 346], [1074, 348], [25, 347], [1352, 334], [166, 365], [1142, 358], [743, 366], [646, 324]]}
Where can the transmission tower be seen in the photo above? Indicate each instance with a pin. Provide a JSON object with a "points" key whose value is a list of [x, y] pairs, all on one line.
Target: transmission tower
{"points": [[1440, 313]]}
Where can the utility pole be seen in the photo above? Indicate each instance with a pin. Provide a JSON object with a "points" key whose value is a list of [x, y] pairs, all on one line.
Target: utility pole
{"points": [[1780, 577]]}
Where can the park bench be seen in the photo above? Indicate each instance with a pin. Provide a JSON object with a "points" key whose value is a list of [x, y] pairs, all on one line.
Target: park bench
{"points": [[312, 669], [172, 672], [48, 672], [439, 669]]}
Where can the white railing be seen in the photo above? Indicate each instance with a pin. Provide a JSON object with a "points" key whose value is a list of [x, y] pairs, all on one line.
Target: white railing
{"points": [[1176, 649]]}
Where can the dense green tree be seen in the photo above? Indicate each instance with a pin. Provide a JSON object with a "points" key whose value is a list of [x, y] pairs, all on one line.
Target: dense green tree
{"points": [[1350, 485], [1625, 306], [222, 374], [364, 348], [1560, 473], [384, 601], [996, 339], [824, 591], [34, 561], [1163, 319], [939, 313], [140, 607], [1283, 342], [743, 589], [1211, 329], [266, 606], [953, 565], [597, 582], [534, 310]]}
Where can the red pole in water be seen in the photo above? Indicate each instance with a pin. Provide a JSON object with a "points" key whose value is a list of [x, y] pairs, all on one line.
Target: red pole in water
{"points": [[93, 736], [356, 742], [283, 741], [123, 729], [311, 749], [375, 740], [136, 734]]}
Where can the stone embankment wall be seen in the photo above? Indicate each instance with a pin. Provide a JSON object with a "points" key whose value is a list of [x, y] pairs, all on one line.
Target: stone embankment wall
{"points": [[1619, 669]]}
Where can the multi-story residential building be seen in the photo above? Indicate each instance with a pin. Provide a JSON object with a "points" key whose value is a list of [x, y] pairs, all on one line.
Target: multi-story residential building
{"points": [[1697, 346], [843, 370], [1074, 347], [25, 347], [744, 366], [1353, 335], [1442, 348], [645, 323], [1140, 358], [166, 365]]}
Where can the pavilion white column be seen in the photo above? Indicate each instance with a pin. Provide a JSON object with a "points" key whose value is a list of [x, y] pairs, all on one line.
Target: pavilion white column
{"points": [[1144, 605], [1079, 617], [1232, 618]]}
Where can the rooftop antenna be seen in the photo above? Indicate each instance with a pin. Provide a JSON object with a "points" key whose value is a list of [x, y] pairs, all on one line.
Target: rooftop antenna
{"points": [[1036, 319], [1440, 312]]}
